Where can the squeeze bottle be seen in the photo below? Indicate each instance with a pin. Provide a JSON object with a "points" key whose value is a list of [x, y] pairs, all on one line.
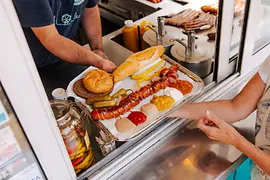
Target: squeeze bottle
{"points": [[131, 36]]}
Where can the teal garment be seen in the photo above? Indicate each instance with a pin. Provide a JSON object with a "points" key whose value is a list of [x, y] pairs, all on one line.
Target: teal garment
{"points": [[231, 177], [242, 172]]}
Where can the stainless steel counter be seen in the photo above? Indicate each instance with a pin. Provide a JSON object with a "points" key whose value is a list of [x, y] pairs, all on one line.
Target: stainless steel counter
{"points": [[175, 149]]}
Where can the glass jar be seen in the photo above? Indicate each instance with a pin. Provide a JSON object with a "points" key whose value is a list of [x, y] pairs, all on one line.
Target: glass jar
{"points": [[74, 133]]}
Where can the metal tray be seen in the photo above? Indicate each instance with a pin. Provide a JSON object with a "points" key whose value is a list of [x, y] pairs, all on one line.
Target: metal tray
{"points": [[106, 125]]}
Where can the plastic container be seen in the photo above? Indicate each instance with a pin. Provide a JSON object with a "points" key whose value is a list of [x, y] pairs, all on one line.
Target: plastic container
{"points": [[131, 36], [59, 93]]}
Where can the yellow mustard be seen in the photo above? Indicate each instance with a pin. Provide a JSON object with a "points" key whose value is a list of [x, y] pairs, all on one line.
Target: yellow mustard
{"points": [[163, 102]]}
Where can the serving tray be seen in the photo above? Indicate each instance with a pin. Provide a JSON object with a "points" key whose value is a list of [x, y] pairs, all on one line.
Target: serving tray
{"points": [[108, 126]]}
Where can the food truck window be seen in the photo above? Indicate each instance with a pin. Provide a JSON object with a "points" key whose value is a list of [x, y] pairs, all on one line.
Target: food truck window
{"points": [[237, 28], [230, 37], [262, 38]]}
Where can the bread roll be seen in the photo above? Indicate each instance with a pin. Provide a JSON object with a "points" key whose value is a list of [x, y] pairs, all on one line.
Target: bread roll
{"points": [[137, 61], [150, 110], [98, 81], [124, 125]]}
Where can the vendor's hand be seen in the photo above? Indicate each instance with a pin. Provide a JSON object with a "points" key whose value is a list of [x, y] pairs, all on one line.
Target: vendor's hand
{"points": [[106, 65], [101, 54], [218, 129]]}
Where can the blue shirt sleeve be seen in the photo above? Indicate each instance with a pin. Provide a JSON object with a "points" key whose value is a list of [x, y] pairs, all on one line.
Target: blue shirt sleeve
{"points": [[34, 13], [92, 3]]}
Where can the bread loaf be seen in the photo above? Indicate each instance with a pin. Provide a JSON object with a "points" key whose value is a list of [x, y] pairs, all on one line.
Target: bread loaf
{"points": [[137, 61]]}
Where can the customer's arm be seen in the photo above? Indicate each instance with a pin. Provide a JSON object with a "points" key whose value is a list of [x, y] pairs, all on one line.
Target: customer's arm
{"points": [[233, 110], [260, 157], [68, 50]]}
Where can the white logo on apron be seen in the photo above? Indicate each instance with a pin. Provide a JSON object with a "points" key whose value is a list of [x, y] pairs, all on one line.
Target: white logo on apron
{"points": [[78, 2]]}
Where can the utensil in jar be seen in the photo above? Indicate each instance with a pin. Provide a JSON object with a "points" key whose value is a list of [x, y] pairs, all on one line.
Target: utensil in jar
{"points": [[108, 147], [104, 137], [101, 142], [106, 144]]}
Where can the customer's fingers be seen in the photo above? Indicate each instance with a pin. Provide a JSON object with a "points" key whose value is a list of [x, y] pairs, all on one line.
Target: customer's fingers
{"points": [[218, 122]]}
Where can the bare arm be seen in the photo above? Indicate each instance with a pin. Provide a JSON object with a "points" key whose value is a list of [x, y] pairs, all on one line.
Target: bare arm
{"points": [[92, 25], [64, 48], [233, 110], [260, 157], [68, 50]]}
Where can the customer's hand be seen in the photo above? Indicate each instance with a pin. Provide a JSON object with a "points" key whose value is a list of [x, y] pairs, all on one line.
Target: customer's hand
{"points": [[218, 129], [101, 54]]}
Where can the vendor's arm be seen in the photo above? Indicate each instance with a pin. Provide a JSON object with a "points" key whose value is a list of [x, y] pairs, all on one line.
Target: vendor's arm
{"points": [[233, 110], [92, 26], [217, 129], [67, 49]]}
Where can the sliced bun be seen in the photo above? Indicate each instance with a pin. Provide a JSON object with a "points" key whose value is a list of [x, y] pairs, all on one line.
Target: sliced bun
{"points": [[124, 125], [98, 81], [137, 61]]}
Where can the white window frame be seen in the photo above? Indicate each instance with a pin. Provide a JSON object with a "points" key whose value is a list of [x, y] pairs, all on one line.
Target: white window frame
{"points": [[223, 67], [20, 80], [250, 60]]}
